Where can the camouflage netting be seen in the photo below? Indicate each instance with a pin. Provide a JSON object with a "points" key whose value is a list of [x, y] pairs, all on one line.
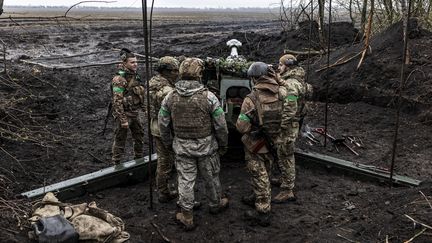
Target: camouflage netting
{"points": [[232, 66]]}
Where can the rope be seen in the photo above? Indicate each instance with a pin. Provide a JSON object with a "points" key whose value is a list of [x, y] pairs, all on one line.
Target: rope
{"points": [[327, 75], [402, 85]]}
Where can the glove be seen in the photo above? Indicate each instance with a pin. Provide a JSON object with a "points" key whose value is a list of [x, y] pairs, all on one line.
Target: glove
{"points": [[222, 150]]}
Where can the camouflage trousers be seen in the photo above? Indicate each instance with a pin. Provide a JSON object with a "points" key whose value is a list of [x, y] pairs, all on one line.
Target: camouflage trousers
{"points": [[120, 136], [187, 170], [258, 166], [286, 158], [165, 164]]}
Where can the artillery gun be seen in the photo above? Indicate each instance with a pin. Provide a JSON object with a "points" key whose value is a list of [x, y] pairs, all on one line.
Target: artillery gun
{"points": [[226, 77]]}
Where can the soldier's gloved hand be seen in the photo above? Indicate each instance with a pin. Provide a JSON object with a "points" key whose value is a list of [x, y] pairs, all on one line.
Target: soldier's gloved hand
{"points": [[222, 150], [125, 124]]}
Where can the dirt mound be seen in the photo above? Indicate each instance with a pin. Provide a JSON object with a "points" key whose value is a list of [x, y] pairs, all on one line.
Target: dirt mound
{"points": [[378, 78], [268, 47]]}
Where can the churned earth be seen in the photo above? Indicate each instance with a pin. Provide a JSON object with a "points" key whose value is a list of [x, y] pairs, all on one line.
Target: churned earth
{"points": [[51, 123]]}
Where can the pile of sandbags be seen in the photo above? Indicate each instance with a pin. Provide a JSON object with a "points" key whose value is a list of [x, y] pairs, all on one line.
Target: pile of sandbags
{"points": [[53, 221]]}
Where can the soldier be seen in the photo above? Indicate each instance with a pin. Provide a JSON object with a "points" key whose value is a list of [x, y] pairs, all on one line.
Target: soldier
{"points": [[128, 100], [260, 121], [160, 85], [192, 123], [290, 69], [292, 78]]}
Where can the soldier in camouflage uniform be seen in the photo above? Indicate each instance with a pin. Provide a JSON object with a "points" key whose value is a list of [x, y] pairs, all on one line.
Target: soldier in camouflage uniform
{"points": [[260, 121], [292, 78], [192, 123], [128, 100], [160, 85]]}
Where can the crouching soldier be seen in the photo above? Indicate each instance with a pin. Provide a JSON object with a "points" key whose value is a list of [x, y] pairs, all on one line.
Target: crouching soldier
{"points": [[192, 123], [260, 122], [160, 85], [128, 100]]}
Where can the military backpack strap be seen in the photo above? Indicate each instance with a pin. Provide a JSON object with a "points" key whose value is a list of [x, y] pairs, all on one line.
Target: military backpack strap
{"points": [[257, 104]]}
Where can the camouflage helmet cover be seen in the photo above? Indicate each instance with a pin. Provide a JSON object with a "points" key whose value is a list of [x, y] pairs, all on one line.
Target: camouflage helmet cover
{"points": [[191, 68], [258, 69], [288, 60], [168, 63]]}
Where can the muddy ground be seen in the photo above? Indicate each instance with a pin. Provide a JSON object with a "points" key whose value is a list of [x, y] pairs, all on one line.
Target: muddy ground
{"points": [[51, 123]]}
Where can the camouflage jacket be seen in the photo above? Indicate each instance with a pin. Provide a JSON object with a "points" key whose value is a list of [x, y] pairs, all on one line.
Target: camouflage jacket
{"points": [[128, 95], [159, 87], [193, 147], [247, 120], [294, 80]]}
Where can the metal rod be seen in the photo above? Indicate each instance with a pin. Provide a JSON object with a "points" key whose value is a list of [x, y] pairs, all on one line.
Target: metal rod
{"points": [[310, 42], [401, 87], [150, 35], [327, 75], [147, 77]]}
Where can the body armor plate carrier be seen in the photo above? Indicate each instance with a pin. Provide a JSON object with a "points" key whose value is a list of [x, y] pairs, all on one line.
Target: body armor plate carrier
{"points": [[190, 116]]}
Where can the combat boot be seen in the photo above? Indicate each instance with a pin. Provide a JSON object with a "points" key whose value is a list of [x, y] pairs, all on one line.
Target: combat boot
{"points": [[185, 217], [260, 218], [249, 200], [223, 204], [284, 197]]}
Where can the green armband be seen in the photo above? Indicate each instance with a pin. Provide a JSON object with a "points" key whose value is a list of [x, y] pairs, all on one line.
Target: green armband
{"points": [[217, 112], [244, 117], [291, 98], [118, 89], [164, 112]]}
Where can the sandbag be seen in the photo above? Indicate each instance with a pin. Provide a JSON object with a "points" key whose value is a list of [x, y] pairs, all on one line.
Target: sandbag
{"points": [[54, 229]]}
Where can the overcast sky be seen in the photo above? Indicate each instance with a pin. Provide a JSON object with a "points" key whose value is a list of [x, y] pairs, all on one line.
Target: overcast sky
{"points": [[158, 3]]}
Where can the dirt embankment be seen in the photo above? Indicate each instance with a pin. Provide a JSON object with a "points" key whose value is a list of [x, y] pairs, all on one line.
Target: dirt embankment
{"points": [[377, 80]]}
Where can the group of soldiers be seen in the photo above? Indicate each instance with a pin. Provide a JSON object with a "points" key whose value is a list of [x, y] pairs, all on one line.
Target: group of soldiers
{"points": [[190, 132]]}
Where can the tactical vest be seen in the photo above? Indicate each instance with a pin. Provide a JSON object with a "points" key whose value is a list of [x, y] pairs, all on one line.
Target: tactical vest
{"points": [[269, 111], [133, 96], [190, 115]]}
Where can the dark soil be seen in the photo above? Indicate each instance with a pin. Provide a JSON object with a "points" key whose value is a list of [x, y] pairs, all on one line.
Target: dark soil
{"points": [[377, 80], [55, 119]]}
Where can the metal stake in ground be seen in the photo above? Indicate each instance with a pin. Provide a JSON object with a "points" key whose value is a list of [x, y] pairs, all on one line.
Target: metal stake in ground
{"points": [[327, 75], [401, 87], [310, 40], [147, 77]]}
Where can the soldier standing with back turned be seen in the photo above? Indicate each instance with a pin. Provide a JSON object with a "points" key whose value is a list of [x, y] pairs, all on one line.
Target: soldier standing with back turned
{"points": [[161, 85], [128, 100], [260, 121], [192, 123]]}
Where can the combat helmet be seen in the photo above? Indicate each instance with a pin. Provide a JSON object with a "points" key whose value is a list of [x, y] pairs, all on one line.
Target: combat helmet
{"points": [[191, 68], [258, 69], [167, 63], [288, 60]]}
